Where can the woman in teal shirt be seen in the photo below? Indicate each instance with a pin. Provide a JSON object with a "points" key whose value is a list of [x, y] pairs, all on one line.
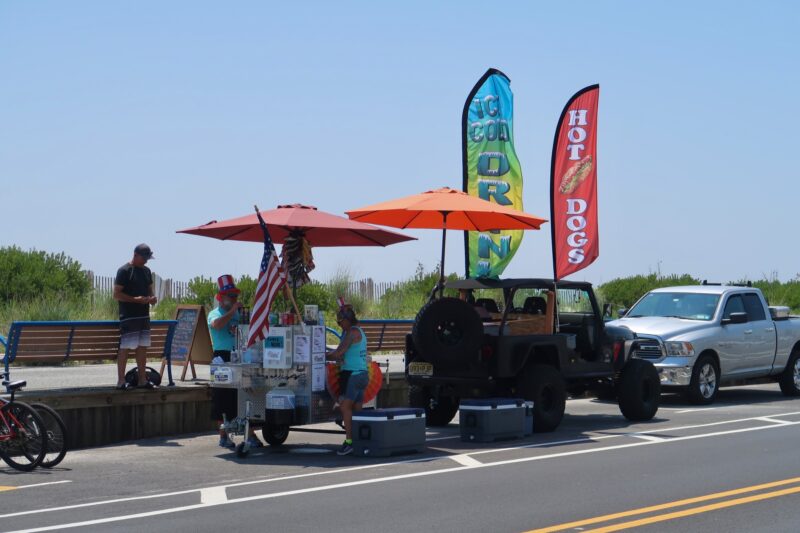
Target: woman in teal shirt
{"points": [[353, 376]]}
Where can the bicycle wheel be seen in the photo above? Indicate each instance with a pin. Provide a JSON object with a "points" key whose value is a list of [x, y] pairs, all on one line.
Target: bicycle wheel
{"points": [[28, 446], [56, 435]]}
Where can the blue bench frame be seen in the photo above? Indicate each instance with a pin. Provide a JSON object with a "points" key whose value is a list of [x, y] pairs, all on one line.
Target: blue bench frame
{"points": [[11, 342]]}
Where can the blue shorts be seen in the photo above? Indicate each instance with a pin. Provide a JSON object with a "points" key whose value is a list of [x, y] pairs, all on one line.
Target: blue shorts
{"points": [[354, 387]]}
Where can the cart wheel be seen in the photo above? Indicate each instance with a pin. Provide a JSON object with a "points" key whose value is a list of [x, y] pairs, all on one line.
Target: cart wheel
{"points": [[275, 435], [242, 450]]}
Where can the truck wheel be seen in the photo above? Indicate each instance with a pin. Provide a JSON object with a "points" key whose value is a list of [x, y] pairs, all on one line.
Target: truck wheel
{"points": [[544, 385], [790, 377], [438, 412], [275, 435], [639, 390], [446, 330], [704, 384]]}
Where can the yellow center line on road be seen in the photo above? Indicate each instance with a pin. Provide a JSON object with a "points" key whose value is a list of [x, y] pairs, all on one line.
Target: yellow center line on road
{"points": [[677, 503], [697, 510], [4, 488]]}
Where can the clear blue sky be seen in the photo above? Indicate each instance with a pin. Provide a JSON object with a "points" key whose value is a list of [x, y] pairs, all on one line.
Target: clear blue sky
{"points": [[123, 122]]}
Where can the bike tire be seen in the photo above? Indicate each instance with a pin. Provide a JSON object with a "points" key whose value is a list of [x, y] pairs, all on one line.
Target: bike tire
{"points": [[56, 435], [28, 451]]}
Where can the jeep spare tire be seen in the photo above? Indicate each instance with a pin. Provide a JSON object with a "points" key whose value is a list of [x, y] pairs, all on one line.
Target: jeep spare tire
{"points": [[639, 390], [446, 330]]}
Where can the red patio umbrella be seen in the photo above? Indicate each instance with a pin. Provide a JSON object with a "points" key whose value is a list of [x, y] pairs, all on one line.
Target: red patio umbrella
{"points": [[318, 227]]}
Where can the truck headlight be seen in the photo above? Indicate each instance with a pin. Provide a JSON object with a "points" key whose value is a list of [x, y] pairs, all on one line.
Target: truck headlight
{"points": [[680, 349]]}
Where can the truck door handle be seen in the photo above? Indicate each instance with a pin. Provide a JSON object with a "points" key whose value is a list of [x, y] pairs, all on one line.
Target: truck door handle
{"points": [[769, 330], [748, 332]]}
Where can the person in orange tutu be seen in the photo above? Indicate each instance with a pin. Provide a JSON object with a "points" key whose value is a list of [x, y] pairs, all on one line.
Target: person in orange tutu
{"points": [[353, 376]]}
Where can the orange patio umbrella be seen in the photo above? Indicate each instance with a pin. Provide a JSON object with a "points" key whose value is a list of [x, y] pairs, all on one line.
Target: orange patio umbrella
{"points": [[446, 209]]}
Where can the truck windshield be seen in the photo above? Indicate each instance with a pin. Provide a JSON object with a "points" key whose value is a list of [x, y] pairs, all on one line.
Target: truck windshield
{"points": [[690, 306]]}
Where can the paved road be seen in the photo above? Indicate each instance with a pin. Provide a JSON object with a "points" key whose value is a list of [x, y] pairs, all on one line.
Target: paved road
{"points": [[732, 467]]}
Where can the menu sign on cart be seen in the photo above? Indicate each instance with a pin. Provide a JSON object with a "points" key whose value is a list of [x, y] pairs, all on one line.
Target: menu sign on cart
{"points": [[191, 342]]}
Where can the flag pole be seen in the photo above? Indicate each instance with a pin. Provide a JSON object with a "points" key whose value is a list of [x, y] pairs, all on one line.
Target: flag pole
{"points": [[286, 293]]}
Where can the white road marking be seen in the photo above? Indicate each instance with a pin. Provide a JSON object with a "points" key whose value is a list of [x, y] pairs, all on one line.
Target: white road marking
{"points": [[394, 478], [644, 436], [465, 460], [43, 484], [773, 420], [590, 438], [442, 438], [213, 495], [694, 410]]}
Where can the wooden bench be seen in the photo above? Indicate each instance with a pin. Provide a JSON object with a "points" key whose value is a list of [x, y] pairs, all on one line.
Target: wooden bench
{"points": [[384, 335], [58, 342]]}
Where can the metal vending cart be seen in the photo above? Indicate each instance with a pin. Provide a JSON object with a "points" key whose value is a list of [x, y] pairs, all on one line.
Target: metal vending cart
{"points": [[281, 383]]}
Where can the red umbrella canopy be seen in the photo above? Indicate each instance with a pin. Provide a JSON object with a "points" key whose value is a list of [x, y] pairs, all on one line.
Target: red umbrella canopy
{"points": [[318, 227], [464, 212]]}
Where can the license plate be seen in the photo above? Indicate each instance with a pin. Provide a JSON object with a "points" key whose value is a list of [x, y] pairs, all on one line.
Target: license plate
{"points": [[420, 369]]}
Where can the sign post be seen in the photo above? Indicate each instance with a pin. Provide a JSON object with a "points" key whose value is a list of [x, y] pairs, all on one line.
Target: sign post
{"points": [[191, 342]]}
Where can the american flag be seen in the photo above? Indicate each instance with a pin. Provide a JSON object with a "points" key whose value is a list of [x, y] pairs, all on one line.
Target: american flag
{"points": [[271, 277]]}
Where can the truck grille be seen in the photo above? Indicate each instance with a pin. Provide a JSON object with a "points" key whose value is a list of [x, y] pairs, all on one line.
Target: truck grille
{"points": [[647, 349]]}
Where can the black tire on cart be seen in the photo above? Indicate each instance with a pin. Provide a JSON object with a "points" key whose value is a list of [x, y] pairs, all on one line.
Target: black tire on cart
{"points": [[639, 390], [438, 411], [275, 435], [241, 452], [789, 379], [704, 384], [446, 330], [56, 435], [545, 387]]}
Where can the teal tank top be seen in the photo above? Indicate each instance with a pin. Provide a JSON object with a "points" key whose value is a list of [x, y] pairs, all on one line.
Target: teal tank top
{"points": [[355, 358]]}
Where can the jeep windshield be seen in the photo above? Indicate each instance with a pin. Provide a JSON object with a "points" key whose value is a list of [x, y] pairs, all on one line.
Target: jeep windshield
{"points": [[689, 306]]}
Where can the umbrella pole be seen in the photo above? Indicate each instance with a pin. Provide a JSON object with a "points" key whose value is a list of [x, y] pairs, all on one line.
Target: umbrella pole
{"points": [[441, 263]]}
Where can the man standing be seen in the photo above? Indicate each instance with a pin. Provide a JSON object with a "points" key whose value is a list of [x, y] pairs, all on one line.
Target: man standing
{"points": [[133, 289], [222, 324]]}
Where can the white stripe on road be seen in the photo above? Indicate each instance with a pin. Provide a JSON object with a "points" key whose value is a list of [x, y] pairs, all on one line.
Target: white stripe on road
{"points": [[213, 495], [773, 420], [393, 478], [43, 484], [465, 460], [643, 436]]}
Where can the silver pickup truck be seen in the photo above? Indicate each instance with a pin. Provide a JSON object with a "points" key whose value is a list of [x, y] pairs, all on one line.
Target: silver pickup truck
{"points": [[701, 336]]}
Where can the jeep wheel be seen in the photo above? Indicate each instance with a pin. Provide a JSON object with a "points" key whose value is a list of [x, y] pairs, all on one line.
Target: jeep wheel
{"points": [[446, 330], [790, 378], [704, 384], [544, 385], [438, 412], [639, 390]]}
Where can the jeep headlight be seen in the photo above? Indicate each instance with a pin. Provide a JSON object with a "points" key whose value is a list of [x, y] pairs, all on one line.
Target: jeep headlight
{"points": [[680, 349]]}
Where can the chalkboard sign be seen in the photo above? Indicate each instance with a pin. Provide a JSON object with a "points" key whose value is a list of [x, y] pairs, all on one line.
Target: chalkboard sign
{"points": [[191, 342]]}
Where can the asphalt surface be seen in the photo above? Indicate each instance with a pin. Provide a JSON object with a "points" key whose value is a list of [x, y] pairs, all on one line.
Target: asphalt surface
{"points": [[733, 466]]}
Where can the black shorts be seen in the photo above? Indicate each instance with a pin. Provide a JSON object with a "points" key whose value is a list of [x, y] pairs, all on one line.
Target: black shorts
{"points": [[224, 400], [134, 332]]}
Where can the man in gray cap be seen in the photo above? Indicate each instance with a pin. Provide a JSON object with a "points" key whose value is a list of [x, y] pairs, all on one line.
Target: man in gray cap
{"points": [[133, 289]]}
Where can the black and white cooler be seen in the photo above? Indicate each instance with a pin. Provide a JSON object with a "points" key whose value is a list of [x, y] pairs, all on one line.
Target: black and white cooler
{"points": [[491, 419], [385, 432]]}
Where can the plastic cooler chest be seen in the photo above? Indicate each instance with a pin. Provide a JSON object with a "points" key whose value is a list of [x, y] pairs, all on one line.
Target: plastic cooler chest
{"points": [[491, 419], [385, 432]]}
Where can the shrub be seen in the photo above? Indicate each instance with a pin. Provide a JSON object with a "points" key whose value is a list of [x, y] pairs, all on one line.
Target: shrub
{"points": [[625, 292], [28, 275]]}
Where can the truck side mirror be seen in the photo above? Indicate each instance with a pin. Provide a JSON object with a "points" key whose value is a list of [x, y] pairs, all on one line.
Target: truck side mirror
{"points": [[622, 312], [735, 318]]}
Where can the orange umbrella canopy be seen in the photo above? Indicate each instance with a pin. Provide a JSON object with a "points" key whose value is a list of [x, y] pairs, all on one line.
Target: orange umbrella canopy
{"points": [[464, 212]]}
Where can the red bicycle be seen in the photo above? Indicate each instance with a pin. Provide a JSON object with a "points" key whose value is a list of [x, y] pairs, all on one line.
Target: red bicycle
{"points": [[23, 434]]}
